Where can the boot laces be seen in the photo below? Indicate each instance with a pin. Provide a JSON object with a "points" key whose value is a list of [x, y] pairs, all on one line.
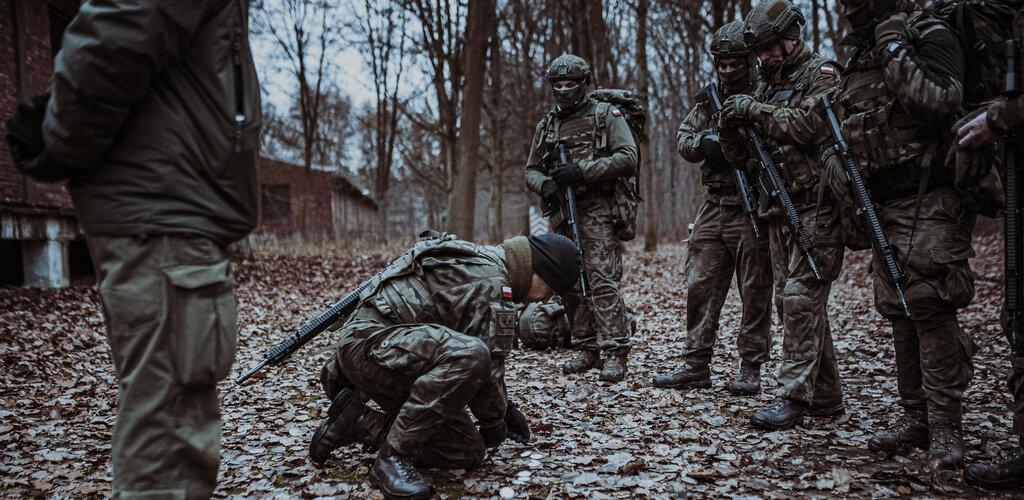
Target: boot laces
{"points": [[777, 405], [906, 423], [946, 436], [1014, 456]]}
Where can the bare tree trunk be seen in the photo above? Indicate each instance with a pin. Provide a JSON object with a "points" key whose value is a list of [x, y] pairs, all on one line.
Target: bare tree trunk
{"points": [[815, 26], [647, 171], [463, 201]]}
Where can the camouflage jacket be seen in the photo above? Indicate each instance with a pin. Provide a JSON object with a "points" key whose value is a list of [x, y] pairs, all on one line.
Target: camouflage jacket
{"points": [[793, 93], [459, 285], [714, 175], [596, 137], [894, 108], [1006, 114]]}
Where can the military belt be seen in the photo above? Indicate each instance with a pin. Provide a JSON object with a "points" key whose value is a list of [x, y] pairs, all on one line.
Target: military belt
{"points": [[894, 183], [723, 190]]}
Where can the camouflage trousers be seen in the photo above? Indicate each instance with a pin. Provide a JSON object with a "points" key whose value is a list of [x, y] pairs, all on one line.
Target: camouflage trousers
{"points": [[169, 307], [723, 242], [423, 377], [933, 354], [809, 371], [598, 321]]}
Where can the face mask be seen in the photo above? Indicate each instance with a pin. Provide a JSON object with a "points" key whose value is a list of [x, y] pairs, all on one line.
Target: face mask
{"points": [[737, 80], [862, 20], [568, 99]]}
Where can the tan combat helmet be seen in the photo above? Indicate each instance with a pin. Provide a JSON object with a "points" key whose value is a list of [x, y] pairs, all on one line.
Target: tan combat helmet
{"points": [[772, 21]]}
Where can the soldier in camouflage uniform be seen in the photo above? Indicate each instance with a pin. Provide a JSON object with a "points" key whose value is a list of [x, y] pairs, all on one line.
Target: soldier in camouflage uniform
{"points": [[1002, 119], [722, 240], [428, 338], [793, 78], [900, 91], [601, 151]]}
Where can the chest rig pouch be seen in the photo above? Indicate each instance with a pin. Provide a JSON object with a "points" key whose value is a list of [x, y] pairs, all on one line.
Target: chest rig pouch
{"points": [[579, 134], [880, 133], [794, 163]]}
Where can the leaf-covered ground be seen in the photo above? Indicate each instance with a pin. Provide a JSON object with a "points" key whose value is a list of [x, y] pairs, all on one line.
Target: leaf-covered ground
{"points": [[590, 439]]}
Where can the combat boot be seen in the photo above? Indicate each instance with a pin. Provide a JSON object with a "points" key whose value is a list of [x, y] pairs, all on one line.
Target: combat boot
{"points": [[348, 420], [614, 369], [694, 375], [783, 413], [747, 381], [826, 408], [1004, 474], [946, 449], [911, 430], [585, 359], [396, 476]]}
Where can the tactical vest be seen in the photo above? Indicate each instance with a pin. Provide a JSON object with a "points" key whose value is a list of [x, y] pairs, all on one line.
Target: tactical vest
{"points": [[798, 166], [401, 296], [879, 131], [584, 137], [717, 178]]}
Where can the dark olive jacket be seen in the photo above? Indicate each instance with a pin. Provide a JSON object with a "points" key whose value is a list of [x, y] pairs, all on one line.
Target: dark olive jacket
{"points": [[158, 105]]}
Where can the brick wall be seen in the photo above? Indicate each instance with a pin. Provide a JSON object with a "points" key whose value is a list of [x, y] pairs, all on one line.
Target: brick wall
{"points": [[26, 62], [336, 208]]}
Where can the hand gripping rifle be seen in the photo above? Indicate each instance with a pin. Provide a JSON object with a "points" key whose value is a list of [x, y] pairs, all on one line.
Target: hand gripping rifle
{"points": [[1011, 219], [709, 95], [776, 188], [865, 208], [284, 350], [570, 214]]}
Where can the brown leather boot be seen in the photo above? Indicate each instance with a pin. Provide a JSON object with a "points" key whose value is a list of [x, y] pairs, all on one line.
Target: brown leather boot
{"points": [[1006, 473], [911, 430], [748, 380], [783, 413], [585, 360], [396, 476], [694, 375], [946, 450], [614, 369]]}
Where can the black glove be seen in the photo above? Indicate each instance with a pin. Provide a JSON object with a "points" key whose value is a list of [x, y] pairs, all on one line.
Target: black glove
{"points": [[515, 422], [549, 192], [493, 436], [44, 168], [569, 174], [25, 129], [712, 149]]}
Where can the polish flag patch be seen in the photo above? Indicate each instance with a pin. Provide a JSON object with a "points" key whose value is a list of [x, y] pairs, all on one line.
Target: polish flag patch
{"points": [[616, 112], [506, 292], [828, 70]]}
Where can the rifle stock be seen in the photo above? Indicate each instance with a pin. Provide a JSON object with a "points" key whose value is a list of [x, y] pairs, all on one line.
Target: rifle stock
{"points": [[864, 205], [709, 95]]}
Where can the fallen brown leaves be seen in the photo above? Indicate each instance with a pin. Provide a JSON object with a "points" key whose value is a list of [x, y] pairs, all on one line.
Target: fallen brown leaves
{"points": [[590, 440]]}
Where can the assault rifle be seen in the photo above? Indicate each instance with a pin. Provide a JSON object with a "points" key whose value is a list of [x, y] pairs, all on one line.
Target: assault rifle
{"points": [[709, 95], [569, 213], [284, 350], [865, 208], [776, 188], [1011, 219]]}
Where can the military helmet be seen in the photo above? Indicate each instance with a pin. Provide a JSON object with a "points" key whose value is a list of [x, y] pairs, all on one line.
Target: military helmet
{"points": [[772, 20], [542, 324], [728, 42], [568, 67]]}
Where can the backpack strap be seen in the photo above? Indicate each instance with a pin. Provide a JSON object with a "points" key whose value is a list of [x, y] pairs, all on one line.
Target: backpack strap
{"points": [[601, 110]]}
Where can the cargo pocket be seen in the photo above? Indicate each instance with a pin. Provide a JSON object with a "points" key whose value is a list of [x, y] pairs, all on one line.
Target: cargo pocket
{"points": [[410, 353], [957, 280], [205, 333]]}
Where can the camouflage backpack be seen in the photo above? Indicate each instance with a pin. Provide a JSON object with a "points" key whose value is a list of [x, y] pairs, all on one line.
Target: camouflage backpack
{"points": [[983, 27], [626, 194]]}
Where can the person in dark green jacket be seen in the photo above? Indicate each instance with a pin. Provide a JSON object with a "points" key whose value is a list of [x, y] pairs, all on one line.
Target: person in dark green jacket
{"points": [[152, 115]]}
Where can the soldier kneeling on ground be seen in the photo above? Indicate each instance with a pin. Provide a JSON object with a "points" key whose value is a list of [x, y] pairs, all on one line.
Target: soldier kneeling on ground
{"points": [[429, 338]]}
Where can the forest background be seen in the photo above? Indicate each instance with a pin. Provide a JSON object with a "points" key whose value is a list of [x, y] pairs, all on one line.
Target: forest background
{"points": [[431, 105]]}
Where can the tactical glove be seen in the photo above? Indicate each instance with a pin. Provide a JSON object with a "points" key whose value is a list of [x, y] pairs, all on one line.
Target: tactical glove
{"points": [[741, 108], [515, 422], [712, 149], [549, 192], [493, 436], [25, 128], [894, 29], [569, 174], [43, 167]]}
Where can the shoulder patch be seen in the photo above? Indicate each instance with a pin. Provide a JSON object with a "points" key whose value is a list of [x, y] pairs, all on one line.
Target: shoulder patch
{"points": [[828, 70], [616, 112]]}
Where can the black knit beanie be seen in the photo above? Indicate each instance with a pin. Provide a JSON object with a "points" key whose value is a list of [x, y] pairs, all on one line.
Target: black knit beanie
{"points": [[556, 260]]}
